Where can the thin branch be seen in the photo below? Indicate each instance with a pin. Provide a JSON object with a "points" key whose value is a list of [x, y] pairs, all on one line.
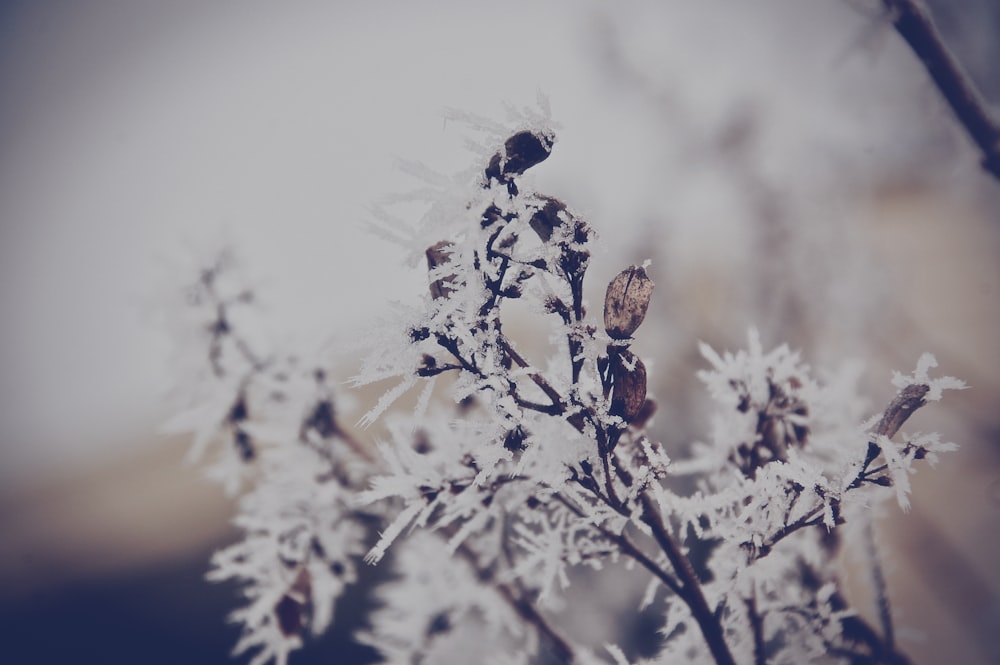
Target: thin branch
{"points": [[757, 625], [708, 622], [902, 406], [908, 400], [524, 609], [628, 548], [914, 24], [539, 380], [527, 611], [881, 592], [631, 549]]}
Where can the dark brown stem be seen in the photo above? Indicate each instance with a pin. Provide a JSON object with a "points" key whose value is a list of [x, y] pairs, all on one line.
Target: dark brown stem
{"points": [[908, 400], [757, 624], [690, 591], [609, 484], [629, 548], [902, 406], [529, 613], [914, 24], [526, 610], [539, 380], [881, 592]]}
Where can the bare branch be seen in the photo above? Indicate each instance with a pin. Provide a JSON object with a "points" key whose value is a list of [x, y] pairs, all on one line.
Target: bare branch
{"points": [[914, 24]]}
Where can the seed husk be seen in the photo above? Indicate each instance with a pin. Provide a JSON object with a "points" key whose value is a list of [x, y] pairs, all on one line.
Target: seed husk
{"points": [[626, 302], [628, 396]]}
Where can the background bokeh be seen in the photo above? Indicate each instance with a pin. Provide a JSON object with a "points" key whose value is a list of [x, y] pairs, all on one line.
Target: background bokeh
{"points": [[784, 164]]}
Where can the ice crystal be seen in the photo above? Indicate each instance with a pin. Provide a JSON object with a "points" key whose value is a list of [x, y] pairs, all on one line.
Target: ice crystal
{"points": [[516, 469]]}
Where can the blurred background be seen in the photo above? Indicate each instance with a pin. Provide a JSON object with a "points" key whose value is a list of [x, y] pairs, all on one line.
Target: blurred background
{"points": [[784, 164]]}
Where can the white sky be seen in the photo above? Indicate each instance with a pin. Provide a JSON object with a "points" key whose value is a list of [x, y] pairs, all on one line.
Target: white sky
{"points": [[132, 129]]}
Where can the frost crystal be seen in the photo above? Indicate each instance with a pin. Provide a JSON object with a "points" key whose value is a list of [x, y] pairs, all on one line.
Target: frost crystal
{"points": [[519, 467]]}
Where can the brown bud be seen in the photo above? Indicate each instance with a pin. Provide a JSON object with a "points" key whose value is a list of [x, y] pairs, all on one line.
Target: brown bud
{"points": [[546, 218], [645, 414], [289, 613], [438, 255], [521, 151], [629, 393], [290, 610], [626, 302]]}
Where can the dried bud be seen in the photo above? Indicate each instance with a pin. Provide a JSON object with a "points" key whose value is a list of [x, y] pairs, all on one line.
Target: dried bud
{"points": [[291, 609], [645, 414], [626, 302], [438, 255], [546, 218], [521, 151], [289, 613], [629, 393]]}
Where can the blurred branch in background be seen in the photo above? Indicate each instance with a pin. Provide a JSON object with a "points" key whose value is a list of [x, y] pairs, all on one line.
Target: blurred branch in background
{"points": [[914, 23]]}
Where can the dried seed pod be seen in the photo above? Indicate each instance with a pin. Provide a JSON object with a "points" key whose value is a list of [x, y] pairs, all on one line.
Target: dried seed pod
{"points": [[291, 609], [289, 613], [546, 218], [438, 255], [626, 302], [520, 152], [645, 414], [628, 395]]}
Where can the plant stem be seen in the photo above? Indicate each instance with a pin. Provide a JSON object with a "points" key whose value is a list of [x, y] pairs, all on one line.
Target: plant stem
{"points": [[690, 590], [526, 610], [914, 24]]}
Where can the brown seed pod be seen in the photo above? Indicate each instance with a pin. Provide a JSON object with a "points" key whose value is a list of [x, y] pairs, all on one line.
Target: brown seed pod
{"points": [[291, 609], [520, 152], [546, 218], [629, 392], [626, 302], [645, 414], [438, 255]]}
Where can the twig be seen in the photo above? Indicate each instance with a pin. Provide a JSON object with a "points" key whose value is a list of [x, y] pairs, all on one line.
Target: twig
{"points": [[524, 609], [628, 548], [881, 592], [708, 622], [902, 406], [757, 624], [538, 379], [914, 24], [908, 400]]}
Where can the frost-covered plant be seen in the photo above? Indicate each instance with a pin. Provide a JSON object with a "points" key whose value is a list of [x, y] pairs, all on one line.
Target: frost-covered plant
{"points": [[534, 467]]}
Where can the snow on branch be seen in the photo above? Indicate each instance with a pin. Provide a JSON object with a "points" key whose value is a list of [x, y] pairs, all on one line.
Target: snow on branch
{"points": [[518, 470]]}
